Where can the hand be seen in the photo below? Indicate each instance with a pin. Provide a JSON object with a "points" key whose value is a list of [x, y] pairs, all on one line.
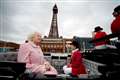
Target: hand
{"points": [[47, 66], [93, 34], [68, 65]]}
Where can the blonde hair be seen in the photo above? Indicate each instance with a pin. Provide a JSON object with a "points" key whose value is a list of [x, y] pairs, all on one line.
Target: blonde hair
{"points": [[32, 35]]}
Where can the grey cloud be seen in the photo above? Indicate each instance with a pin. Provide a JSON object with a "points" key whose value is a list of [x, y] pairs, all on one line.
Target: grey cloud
{"points": [[75, 17]]}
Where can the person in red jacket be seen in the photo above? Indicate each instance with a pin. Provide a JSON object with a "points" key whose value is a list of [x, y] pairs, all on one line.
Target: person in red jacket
{"points": [[98, 33], [115, 26], [76, 66]]}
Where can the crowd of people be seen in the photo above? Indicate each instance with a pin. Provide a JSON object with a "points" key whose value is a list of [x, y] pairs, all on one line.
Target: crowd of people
{"points": [[31, 53]]}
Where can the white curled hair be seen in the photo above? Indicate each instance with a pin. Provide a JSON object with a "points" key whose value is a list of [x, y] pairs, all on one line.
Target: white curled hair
{"points": [[31, 36]]}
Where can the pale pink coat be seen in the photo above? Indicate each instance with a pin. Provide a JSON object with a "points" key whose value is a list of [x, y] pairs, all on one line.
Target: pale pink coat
{"points": [[33, 56]]}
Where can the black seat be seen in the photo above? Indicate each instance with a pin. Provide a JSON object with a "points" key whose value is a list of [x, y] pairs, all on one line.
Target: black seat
{"points": [[10, 69]]}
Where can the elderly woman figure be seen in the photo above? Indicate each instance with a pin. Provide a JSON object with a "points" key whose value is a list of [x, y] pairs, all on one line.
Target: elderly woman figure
{"points": [[32, 55]]}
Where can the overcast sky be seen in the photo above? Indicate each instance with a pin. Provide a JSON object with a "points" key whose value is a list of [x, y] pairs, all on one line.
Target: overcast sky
{"points": [[18, 18]]}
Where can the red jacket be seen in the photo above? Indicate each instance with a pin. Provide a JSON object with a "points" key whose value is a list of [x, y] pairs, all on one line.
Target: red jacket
{"points": [[77, 63], [100, 35], [115, 26]]}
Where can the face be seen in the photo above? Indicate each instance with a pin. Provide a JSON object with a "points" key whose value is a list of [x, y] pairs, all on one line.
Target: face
{"points": [[73, 47], [37, 38]]}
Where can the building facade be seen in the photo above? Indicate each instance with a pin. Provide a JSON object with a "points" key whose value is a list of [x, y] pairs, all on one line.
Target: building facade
{"points": [[8, 46], [84, 43]]}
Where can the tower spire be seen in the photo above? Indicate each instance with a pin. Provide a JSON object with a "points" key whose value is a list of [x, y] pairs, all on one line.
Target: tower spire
{"points": [[54, 26]]}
